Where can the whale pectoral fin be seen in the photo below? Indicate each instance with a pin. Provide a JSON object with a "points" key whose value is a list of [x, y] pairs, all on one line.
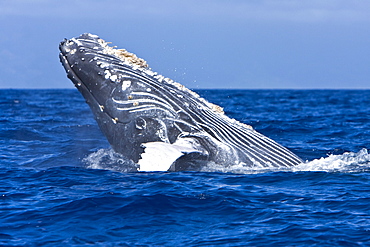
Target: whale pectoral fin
{"points": [[161, 156], [158, 156]]}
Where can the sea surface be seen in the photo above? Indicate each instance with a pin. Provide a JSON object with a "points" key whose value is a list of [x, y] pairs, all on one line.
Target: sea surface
{"points": [[62, 185]]}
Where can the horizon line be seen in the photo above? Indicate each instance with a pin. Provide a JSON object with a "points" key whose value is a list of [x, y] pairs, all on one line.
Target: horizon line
{"points": [[236, 88]]}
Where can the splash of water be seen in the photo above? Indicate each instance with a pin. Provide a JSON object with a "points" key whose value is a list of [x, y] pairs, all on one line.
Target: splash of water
{"points": [[346, 162], [107, 159]]}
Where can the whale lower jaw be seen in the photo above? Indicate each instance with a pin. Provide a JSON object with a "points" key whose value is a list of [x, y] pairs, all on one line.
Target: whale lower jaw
{"points": [[159, 123]]}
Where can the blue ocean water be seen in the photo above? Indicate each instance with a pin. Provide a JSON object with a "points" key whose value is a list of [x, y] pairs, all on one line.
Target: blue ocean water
{"points": [[62, 185]]}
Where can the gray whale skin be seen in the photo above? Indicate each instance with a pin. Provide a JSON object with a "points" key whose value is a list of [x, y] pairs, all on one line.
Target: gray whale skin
{"points": [[158, 123]]}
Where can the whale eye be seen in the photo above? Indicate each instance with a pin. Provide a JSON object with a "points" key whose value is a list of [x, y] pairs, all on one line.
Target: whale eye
{"points": [[140, 123]]}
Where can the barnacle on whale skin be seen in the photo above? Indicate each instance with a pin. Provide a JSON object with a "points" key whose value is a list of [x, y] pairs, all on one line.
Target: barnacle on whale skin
{"points": [[123, 54]]}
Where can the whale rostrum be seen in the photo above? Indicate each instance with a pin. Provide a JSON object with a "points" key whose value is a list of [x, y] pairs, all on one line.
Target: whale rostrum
{"points": [[156, 122]]}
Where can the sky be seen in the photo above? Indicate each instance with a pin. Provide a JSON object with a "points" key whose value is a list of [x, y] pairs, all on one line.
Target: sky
{"points": [[234, 44]]}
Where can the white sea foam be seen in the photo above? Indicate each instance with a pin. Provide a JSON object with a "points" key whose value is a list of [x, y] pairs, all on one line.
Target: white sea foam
{"points": [[107, 159], [347, 162]]}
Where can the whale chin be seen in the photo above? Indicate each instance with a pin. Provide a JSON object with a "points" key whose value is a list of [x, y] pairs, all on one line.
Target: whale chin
{"points": [[156, 122]]}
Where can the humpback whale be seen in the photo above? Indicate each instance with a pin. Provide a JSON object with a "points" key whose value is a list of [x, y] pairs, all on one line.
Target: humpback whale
{"points": [[156, 122]]}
